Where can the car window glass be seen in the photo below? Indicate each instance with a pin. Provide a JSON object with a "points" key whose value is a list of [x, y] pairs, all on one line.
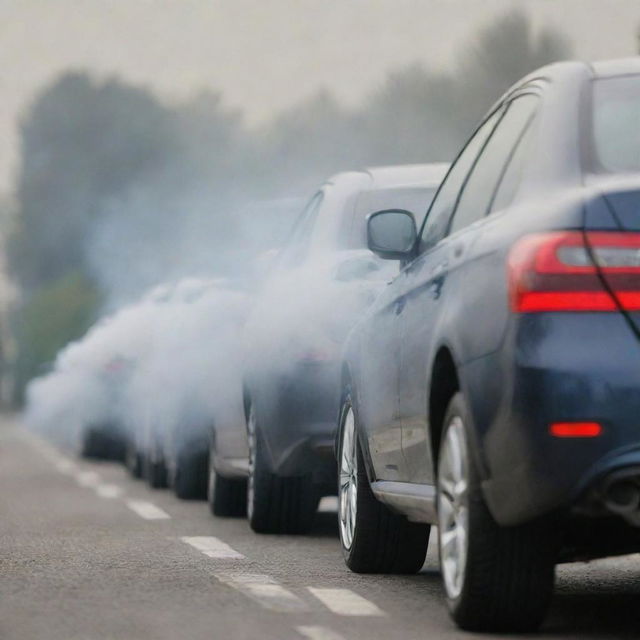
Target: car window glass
{"points": [[616, 124], [437, 221], [295, 250], [413, 199], [483, 180], [511, 177]]}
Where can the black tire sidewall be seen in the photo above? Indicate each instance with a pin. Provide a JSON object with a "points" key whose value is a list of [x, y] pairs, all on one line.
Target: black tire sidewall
{"points": [[508, 577], [259, 478]]}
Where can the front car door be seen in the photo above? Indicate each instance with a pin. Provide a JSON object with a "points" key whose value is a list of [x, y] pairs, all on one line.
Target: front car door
{"points": [[379, 347]]}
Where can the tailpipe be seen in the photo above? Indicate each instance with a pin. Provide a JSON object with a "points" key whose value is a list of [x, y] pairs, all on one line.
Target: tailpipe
{"points": [[621, 496]]}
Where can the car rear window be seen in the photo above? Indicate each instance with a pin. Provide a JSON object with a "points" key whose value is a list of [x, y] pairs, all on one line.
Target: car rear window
{"points": [[616, 124]]}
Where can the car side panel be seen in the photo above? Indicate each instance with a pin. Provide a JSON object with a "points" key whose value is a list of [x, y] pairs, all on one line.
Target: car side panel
{"points": [[422, 286], [374, 357]]}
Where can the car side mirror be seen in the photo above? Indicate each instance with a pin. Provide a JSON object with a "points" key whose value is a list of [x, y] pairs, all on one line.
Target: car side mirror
{"points": [[392, 234]]}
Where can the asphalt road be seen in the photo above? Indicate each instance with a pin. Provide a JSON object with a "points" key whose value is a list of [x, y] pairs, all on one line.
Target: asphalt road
{"points": [[88, 553]]}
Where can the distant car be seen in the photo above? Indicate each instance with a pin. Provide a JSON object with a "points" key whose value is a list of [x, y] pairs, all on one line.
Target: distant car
{"points": [[212, 383], [77, 403], [493, 389], [97, 370], [321, 283], [187, 382], [106, 437]]}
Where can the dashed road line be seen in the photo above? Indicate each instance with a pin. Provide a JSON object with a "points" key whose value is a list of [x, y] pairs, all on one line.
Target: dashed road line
{"points": [[109, 491], [318, 633], [87, 478], [64, 465], [147, 510], [345, 602], [36, 441], [212, 547], [47, 450], [264, 590]]}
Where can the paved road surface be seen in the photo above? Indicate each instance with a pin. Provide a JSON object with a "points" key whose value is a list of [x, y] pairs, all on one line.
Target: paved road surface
{"points": [[88, 553]]}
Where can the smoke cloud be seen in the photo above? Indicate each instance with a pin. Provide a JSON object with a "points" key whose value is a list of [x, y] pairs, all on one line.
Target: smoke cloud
{"points": [[131, 193]]}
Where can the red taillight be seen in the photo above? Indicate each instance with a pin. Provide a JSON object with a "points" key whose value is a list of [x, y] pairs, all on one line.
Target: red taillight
{"points": [[556, 272], [575, 429]]}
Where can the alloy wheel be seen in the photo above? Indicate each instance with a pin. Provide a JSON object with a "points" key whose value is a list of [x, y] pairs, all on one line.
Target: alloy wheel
{"points": [[348, 479], [453, 507]]}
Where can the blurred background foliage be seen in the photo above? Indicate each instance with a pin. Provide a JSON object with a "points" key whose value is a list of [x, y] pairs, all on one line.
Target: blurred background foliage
{"points": [[51, 318], [118, 191]]}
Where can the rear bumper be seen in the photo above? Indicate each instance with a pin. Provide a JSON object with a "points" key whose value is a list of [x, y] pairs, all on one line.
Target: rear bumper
{"points": [[554, 368], [296, 414]]}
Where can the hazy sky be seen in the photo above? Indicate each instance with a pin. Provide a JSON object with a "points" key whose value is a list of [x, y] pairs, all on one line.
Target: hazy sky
{"points": [[263, 54]]}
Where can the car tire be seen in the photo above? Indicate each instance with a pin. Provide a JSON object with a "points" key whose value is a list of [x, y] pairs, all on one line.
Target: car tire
{"points": [[227, 496], [154, 472], [133, 460], [373, 538], [496, 579], [276, 504], [92, 444], [189, 481], [96, 443]]}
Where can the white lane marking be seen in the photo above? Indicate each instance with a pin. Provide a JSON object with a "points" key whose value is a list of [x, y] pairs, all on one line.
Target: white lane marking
{"points": [[212, 547], [65, 466], [147, 510], [87, 478], [318, 633], [345, 602], [51, 453], [264, 590], [109, 491], [38, 442], [328, 504]]}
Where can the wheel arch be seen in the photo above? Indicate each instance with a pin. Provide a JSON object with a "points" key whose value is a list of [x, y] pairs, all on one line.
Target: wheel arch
{"points": [[444, 384]]}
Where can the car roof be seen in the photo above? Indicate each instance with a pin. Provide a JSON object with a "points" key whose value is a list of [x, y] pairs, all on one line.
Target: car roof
{"points": [[598, 69], [409, 175], [620, 67]]}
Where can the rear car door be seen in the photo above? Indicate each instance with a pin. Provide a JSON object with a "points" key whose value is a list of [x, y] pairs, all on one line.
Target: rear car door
{"points": [[443, 275], [418, 288]]}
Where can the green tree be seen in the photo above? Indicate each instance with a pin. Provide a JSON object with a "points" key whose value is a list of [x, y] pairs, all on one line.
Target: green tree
{"points": [[82, 143], [501, 54], [49, 320], [419, 115]]}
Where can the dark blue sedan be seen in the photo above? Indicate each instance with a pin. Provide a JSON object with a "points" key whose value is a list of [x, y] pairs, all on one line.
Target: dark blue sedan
{"points": [[493, 390]]}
